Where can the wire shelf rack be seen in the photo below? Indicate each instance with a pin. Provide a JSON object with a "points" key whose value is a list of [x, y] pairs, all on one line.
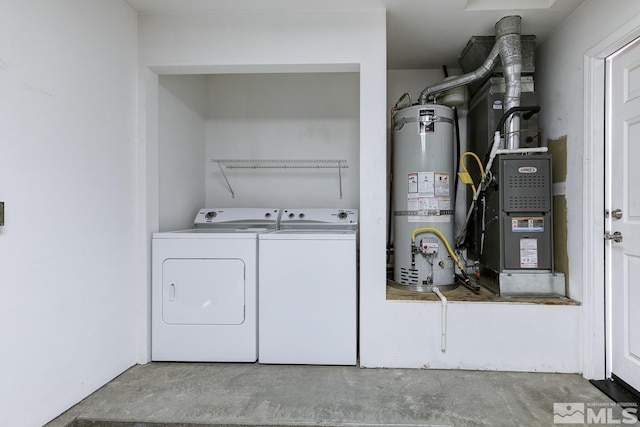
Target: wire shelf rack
{"points": [[279, 164]]}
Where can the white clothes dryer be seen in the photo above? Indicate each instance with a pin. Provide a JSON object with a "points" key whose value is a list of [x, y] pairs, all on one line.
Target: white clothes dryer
{"points": [[307, 296], [204, 287]]}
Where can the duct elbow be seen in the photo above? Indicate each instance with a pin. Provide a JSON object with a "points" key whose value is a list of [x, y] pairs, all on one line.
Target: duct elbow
{"points": [[463, 80], [507, 47]]}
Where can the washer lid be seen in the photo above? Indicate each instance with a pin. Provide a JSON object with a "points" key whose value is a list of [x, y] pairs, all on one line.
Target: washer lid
{"points": [[319, 219], [309, 235]]}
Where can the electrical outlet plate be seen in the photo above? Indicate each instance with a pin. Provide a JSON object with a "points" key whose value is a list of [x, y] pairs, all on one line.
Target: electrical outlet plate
{"points": [[1, 213]]}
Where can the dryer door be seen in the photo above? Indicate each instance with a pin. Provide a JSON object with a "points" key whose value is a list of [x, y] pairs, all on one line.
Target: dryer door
{"points": [[209, 291]]}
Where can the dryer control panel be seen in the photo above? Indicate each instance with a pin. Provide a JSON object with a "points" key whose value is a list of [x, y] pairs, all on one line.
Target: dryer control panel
{"points": [[237, 218]]}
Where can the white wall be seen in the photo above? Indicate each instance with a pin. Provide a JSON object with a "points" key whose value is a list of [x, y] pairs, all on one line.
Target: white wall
{"points": [[182, 111], [284, 116], [67, 128], [286, 41], [564, 79]]}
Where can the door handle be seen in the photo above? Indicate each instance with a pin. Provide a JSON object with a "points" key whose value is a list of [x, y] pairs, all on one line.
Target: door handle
{"points": [[615, 214], [616, 237]]}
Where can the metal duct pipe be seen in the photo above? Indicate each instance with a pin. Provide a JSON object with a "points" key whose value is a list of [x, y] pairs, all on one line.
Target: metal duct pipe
{"points": [[508, 48], [464, 79]]}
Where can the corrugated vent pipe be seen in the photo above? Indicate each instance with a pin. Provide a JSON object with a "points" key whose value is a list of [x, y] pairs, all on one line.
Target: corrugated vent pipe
{"points": [[508, 48]]}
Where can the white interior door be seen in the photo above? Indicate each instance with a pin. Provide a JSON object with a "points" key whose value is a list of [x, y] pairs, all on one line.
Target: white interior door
{"points": [[623, 204]]}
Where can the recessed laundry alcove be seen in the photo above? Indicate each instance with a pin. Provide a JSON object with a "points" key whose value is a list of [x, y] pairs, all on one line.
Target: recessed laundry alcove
{"points": [[265, 117]]}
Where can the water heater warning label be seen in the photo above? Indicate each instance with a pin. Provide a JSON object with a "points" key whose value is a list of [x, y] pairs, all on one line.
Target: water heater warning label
{"points": [[441, 184], [428, 194], [428, 184], [412, 183], [528, 253]]}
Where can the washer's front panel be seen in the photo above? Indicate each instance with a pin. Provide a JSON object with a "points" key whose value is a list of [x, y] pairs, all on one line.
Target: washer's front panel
{"points": [[308, 301]]}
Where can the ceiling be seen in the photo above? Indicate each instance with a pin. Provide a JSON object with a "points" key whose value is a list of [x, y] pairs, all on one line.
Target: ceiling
{"points": [[421, 34]]}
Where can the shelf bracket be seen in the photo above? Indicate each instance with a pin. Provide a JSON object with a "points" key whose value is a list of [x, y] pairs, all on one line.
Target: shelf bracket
{"points": [[340, 179], [233, 195]]}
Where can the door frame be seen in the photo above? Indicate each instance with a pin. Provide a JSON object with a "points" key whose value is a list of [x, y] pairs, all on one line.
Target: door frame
{"points": [[596, 313]]}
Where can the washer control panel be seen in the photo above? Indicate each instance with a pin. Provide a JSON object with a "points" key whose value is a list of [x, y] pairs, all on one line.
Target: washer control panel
{"points": [[319, 218]]}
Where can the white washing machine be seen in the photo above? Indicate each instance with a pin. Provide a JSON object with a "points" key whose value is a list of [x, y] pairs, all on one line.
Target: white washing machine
{"points": [[307, 296], [204, 287]]}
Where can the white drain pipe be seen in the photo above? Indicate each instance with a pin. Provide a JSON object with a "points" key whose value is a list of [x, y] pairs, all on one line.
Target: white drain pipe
{"points": [[444, 316]]}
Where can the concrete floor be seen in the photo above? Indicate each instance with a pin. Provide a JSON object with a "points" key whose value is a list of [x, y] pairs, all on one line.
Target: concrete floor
{"points": [[189, 394]]}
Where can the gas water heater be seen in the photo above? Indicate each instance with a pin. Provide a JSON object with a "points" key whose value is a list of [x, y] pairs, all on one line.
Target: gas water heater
{"points": [[423, 196]]}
